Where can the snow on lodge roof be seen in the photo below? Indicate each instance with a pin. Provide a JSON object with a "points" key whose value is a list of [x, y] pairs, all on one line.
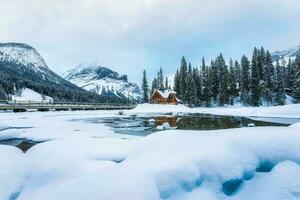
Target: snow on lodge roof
{"points": [[165, 94]]}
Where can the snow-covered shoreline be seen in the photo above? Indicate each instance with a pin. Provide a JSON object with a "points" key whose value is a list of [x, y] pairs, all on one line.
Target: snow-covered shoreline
{"points": [[286, 111], [83, 160]]}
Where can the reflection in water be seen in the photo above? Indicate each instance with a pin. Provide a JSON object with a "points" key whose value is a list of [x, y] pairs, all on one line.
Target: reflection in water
{"points": [[143, 126], [210, 122], [172, 121]]}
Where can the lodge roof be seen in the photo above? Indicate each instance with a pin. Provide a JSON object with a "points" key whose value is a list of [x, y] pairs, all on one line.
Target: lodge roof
{"points": [[166, 93]]}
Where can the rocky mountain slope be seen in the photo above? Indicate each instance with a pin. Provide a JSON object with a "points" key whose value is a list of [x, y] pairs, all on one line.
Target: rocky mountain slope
{"points": [[286, 54], [105, 82], [21, 66]]}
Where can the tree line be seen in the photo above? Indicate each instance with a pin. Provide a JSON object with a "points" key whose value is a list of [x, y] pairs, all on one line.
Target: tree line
{"points": [[251, 82]]}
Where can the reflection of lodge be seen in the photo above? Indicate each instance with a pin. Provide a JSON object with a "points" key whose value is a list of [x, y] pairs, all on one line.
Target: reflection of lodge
{"points": [[171, 120], [166, 97]]}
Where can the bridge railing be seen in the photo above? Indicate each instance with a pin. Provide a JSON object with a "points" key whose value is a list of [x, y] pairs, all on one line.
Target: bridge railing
{"points": [[24, 105]]}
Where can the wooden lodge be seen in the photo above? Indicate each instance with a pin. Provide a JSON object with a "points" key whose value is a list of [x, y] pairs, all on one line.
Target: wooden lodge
{"points": [[166, 97]]}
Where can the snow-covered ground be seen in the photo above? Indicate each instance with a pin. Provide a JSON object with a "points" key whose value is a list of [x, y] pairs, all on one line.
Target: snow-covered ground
{"points": [[83, 160], [286, 111], [27, 94]]}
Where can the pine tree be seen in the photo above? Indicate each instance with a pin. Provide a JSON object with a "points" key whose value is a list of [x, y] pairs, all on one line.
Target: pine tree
{"points": [[183, 80], [215, 82], [268, 74], [224, 98], [160, 79], [255, 80], [198, 84], [154, 85], [296, 86], [191, 95], [238, 74], [245, 86], [145, 88], [167, 84], [260, 62], [207, 91], [222, 72], [290, 76], [279, 94], [177, 83], [203, 67], [233, 91]]}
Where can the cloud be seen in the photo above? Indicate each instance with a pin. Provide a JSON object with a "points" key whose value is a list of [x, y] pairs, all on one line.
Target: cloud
{"points": [[130, 35]]}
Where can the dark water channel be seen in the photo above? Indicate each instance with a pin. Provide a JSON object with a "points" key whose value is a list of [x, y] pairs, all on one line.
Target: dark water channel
{"points": [[24, 145]]}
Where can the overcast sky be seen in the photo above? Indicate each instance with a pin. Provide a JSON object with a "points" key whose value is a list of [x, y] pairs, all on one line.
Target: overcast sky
{"points": [[131, 35]]}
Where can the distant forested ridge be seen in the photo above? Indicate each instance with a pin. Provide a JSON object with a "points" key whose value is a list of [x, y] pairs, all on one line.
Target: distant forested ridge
{"points": [[259, 80], [22, 67]]}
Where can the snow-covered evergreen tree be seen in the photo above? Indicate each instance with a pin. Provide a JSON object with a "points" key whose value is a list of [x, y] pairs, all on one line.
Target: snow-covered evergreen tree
{"points": [[177, 83], [279, 93], [154, 85], [167, 83], [296, 85], [290, 76], [255, 80], [207, 90], [238, 74], [245, 86], [198, 85], [183, 79], [268, 78], [232, 81], [160, 79], [145, 88]]}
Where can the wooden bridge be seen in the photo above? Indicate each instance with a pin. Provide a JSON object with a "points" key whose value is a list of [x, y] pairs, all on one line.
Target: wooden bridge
{"points": [[22, 106]]}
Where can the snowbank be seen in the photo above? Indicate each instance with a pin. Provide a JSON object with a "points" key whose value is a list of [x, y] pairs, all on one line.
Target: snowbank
{"points": [[56, 125], [14, 170], [246, 163], [30, 95], [286, 111], [3, 127]]}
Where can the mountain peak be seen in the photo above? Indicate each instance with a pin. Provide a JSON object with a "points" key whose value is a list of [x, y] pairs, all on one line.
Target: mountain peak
{"points": [[21, 53], [94, 72], [104, 81], [287, 53]]}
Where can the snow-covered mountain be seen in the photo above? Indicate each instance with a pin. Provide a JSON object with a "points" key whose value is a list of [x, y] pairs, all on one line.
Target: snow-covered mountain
{"points": [[22, 67], [23, 54], [286, 54], [104, 82]]}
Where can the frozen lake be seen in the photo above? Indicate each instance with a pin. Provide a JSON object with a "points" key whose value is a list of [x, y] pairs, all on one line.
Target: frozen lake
{"points": [[145, 125]]}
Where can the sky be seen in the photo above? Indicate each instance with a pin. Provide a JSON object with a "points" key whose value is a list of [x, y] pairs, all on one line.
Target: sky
{"points": [[129, 36]]}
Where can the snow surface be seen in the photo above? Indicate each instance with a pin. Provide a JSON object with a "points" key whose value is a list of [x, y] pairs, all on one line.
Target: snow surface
{"points": [[286, 111], [14, 170], [88, 161], [30, 95], [56, 125]]}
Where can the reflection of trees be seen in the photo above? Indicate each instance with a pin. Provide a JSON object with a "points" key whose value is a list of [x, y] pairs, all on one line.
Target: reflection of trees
{"points": [[208, 122]]}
